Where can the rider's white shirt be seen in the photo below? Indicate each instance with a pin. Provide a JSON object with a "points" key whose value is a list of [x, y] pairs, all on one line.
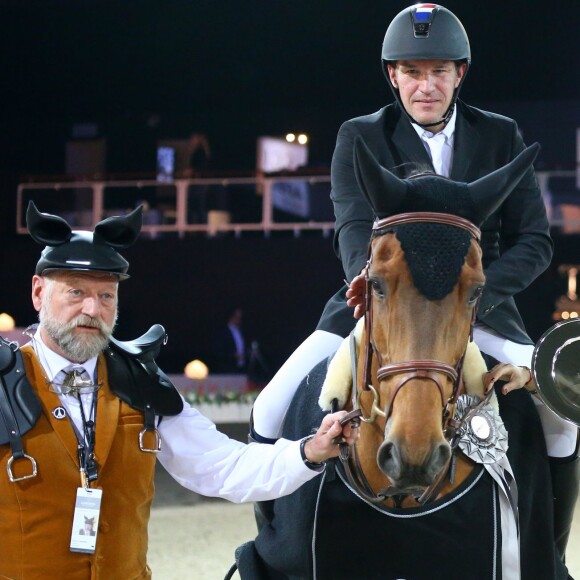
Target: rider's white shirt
{"points": [[439, 145]]}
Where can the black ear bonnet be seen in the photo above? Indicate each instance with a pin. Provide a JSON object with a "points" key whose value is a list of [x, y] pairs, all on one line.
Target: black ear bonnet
{"points": [[68, 249], [435, 253], [388, 194]]}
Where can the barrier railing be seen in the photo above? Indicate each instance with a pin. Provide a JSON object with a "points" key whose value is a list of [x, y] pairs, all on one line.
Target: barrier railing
{"points": [[87, 202], [175, 199]]}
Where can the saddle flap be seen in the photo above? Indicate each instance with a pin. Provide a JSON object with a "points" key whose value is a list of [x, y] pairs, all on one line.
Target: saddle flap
{"points": [[18, 402], [146, 346], [142, 384], [7, 357], [27, 402]]}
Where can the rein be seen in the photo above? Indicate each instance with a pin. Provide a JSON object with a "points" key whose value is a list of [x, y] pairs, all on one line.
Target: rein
{"points": [[430, 370]]}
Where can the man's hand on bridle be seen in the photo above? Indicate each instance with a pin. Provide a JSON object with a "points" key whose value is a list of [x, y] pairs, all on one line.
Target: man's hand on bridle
{"points": [[324, 444]]}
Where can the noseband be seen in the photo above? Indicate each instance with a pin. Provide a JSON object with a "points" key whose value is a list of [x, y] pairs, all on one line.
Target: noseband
{"points": [[431, 370]]}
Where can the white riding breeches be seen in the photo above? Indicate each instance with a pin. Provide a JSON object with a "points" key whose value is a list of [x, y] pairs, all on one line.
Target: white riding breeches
{"points": [[272, 403]]}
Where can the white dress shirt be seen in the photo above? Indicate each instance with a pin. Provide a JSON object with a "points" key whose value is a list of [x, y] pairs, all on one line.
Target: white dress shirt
{"points": [[53, 364], [200, 457], [439, 145]]}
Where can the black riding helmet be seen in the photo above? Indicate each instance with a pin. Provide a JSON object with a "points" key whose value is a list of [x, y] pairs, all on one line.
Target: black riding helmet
{"points": [[426, 32]]}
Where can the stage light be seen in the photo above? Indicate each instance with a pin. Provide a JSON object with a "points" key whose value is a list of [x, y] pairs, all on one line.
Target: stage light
{"points": [[6, 322], [196, 370], [290, 137], [302, 139]]}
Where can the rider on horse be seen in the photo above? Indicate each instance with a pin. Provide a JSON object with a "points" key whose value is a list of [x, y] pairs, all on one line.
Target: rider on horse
{"points": [[417, 325], [425, 57]]}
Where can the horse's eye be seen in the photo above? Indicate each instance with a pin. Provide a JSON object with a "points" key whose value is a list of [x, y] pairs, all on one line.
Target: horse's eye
{"points": [[476, 294], [377, 288]]}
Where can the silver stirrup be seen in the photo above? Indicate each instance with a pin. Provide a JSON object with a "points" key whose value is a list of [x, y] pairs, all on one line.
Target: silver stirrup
{"points": [[157, 447], [11, 474]]}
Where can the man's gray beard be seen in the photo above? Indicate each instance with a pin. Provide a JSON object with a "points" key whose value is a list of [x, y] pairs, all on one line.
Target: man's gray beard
{"points": [[76, 348]]}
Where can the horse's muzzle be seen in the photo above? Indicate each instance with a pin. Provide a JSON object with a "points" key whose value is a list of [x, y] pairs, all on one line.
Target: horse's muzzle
{"points": [[403, 474]]}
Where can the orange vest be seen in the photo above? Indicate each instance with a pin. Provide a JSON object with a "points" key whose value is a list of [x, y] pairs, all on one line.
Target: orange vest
{"points": [[36, 514]]}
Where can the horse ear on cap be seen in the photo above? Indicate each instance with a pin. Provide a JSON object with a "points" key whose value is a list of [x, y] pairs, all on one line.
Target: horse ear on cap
{"points": [[374, 180], [46, 229], [490, 191], [84, 251], [120, 232]]}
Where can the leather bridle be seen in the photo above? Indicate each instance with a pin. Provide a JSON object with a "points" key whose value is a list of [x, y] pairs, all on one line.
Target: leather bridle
{"points": [[430, 370]]}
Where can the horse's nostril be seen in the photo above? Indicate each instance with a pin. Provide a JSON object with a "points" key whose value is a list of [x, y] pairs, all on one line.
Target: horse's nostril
{"points": [[388, 459], [439, 458], [385, 452]]}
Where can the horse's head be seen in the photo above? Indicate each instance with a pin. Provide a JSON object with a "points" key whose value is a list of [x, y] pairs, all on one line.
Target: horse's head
{"points": [[425, 276]]}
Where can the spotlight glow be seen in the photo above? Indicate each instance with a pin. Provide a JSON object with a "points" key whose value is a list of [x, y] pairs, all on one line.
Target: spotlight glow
{"points": [[196, 370], [6, 322]]}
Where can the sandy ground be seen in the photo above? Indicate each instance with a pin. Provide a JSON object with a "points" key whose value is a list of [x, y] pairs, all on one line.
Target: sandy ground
{"points": [[195, 539], [198, 542]]}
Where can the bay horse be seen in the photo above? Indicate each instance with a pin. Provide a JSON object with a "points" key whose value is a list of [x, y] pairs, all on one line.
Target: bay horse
{"points": [[423, 479]]}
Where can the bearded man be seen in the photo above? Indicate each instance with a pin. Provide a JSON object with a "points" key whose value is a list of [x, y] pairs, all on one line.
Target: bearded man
{"points": [[83, 418]]}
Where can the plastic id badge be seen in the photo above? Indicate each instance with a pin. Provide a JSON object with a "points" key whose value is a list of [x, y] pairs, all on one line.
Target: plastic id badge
{"points": [[86, 520]]}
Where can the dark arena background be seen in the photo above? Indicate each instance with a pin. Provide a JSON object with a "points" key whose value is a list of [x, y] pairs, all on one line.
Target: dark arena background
{"points": [[132, 73], [91, 89]]}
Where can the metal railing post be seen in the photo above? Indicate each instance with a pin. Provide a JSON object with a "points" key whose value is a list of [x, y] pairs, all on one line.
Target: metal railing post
{"points": [[98, 189], [19, 210], [181, 205], [267, 212]]}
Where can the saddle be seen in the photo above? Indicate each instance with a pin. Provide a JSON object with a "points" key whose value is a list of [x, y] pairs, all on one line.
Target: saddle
{"points": [[146, 345], [19, 406], [135, 377]]}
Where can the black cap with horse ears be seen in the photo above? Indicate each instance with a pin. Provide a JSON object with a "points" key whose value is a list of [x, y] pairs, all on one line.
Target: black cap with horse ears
{"points": [[68, 249], [388, 194]]}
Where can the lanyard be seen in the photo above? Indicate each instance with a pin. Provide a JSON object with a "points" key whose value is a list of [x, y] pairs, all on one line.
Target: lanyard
{"points": [[86, 447]]}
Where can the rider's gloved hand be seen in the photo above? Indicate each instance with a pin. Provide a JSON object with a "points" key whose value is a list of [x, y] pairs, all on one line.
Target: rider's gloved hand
{"points": [[356, 294], [515, 377]]}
